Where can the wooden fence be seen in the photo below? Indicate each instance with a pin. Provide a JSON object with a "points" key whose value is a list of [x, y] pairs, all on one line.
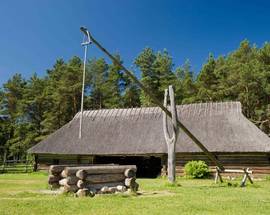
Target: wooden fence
{"points": [[16, 166]]}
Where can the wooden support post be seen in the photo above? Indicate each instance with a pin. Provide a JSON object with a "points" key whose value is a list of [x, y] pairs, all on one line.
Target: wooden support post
{"points": [[243, 182], [78, 159], [4, 161], [245, 171], [218, 175], [170, 140], [26, 164], [246, 176], [35, 163], [163, 165], [92, 159]]}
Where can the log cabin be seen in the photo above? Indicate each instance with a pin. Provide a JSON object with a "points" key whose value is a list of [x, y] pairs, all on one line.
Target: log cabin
{"points": [[135, 136]]}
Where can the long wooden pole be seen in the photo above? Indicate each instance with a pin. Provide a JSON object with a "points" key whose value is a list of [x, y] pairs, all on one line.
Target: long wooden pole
{"points": [[156, 101]]}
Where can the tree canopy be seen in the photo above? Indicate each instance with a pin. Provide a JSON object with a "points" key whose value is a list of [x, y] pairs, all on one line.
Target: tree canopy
{"points": [[39, 105]]}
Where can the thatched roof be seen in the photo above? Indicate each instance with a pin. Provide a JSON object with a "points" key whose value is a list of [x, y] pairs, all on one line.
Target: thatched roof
{"points": [[221, 127]]}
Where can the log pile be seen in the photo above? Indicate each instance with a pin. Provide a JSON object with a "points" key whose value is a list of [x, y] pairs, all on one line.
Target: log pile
{"points": [[55, 175], [95, 179]]}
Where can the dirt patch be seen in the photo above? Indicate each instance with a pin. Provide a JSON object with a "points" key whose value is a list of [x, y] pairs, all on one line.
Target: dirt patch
{"points": [[50, 192], [155, 193], [15, 181]]}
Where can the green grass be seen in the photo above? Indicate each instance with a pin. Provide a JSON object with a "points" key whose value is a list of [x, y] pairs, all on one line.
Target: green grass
{"points": [[20, 194]]}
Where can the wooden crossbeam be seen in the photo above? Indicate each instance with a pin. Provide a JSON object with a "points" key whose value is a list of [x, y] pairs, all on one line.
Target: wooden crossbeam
{"points": [[245, 171], [156, 101]]}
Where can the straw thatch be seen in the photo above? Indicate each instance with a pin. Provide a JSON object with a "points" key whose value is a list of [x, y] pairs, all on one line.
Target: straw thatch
{"points": [[221, 127]]}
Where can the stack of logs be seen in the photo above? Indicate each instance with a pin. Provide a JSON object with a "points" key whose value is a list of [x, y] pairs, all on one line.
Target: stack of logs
{"points": [[91, 180], [55, 175]]}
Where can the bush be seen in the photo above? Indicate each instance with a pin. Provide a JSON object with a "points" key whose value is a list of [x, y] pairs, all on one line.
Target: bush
{"points": [[196, 169]]}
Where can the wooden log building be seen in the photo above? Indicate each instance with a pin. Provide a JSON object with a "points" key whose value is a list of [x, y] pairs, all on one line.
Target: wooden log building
{"points": [[135, 136]]}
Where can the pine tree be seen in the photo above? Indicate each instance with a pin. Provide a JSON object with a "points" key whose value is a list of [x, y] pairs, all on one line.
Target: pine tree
{"points": [[144, 62], [113, 86], [207, 81], [131, 94], [162, 68], [98, 74], [186, 90]]}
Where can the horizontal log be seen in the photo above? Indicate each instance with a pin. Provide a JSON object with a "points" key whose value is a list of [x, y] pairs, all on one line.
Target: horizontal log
{"points": [[81, 174], [85, 192], [130, 182], [107, 189], [130, 173], [236, 171], [63, 182], [98, 169], [53, 179], [113, 189], [99, 186], [70, 180], [56, 169], [82, 184], [82, 192], [54, 186], [135, 187], [69, 188], [104, 178], [100, 179], [121, 188], [104, 190]]}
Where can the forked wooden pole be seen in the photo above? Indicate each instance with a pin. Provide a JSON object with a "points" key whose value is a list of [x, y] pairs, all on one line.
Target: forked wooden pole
{"points": [[170, 139], [156, 101]]}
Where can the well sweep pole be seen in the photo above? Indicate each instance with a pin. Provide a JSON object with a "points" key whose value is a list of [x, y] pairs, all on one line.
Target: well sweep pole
{"points": [[85, 44], [158, 103]]}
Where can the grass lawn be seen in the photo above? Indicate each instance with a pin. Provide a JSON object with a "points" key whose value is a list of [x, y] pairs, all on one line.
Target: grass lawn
{"points": [[20, 194]]}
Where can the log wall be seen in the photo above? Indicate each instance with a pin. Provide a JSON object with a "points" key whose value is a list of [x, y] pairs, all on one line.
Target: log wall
{"points": [[45, 160], [259, 163]]}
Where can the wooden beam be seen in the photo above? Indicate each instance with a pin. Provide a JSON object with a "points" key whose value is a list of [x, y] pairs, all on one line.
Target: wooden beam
{"points": [[156, 101]]}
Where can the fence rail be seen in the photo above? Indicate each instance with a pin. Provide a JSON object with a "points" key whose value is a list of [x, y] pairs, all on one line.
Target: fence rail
{"points": [[16, 166]]}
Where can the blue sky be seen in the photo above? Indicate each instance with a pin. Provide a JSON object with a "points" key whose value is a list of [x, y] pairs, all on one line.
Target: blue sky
{"points": [[33, 34]]}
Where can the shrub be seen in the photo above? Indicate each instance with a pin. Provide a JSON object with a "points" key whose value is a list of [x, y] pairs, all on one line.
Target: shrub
{"points": [[196, 169]]}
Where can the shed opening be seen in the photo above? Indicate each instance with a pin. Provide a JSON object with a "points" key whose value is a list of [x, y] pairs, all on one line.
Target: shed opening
{"points": [[147, 167]]}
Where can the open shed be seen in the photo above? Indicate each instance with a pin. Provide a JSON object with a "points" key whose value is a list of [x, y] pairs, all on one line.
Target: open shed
{"points": [[135, 136]]}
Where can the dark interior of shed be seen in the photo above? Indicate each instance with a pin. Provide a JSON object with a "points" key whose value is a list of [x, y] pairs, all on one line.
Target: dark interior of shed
{"points": [[147, 167]]}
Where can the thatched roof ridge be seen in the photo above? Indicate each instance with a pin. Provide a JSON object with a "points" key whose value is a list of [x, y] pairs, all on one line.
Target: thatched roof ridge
{"points": [[221, 127], [190, 110]]}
